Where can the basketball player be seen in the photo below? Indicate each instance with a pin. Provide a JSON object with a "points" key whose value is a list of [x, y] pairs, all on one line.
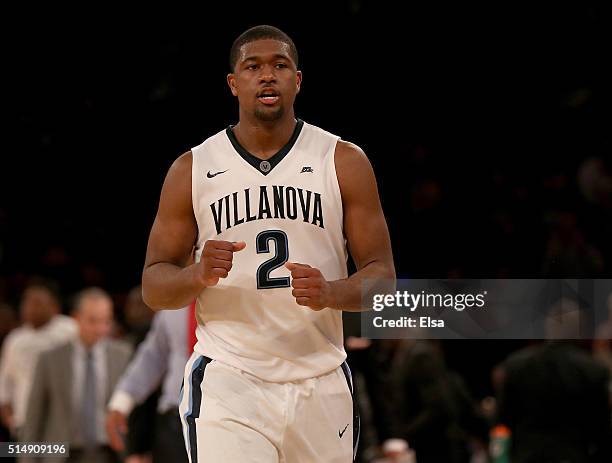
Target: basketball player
{"points": [[269, 205]]}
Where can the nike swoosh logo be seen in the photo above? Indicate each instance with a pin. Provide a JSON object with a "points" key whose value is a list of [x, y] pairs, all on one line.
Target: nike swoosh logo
{"points": [[209, 175], [341, 433]]}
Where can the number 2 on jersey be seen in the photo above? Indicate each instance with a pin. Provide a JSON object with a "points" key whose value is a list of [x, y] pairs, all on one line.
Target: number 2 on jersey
{"points": [[262, 242]]}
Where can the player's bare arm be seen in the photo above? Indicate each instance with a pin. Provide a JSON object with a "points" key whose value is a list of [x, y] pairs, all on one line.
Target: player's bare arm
{"points": [[169, 279], [367, 234]]}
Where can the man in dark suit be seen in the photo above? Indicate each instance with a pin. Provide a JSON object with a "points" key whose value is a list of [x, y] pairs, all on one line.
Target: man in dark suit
{"points": [[554, 398], [435, 413], [73, 383]]}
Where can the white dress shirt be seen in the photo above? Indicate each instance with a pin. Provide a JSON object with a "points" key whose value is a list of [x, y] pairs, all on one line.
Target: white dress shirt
{"points": [[19, 356], [160, 358]]}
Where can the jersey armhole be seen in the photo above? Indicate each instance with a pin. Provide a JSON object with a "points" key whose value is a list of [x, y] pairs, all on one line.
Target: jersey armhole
{"points": [[194, 195], [334, 179]]}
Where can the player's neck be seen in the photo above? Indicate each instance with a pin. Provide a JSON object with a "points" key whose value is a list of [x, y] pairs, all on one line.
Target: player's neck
{"points": [[264, 139]]}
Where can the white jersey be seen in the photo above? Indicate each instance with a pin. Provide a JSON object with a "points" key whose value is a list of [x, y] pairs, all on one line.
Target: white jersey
{"points": [[287, 208]]}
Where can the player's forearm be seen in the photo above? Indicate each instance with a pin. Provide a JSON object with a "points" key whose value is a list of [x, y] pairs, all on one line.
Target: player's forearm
{"points": [[168, 286], [347, 293]]}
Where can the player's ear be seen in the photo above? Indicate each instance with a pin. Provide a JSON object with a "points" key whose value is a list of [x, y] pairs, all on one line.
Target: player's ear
{"points": [[298, 76], [231, 81]]}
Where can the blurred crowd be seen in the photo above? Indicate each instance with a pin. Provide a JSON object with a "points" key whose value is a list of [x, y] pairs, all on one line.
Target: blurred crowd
{"points": [[511, 216], [103, 373]]}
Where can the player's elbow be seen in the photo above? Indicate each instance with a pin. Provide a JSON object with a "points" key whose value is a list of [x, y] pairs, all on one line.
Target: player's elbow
{"points": [[387, 271], [386, 274], [151, 297], [150, 301], [160, 298], [155, 307]]}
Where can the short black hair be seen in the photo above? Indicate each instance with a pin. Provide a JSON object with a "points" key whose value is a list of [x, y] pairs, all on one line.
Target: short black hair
{"points": [[259, 33]]}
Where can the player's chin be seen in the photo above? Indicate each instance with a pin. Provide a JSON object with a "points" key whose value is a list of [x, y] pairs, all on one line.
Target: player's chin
{"points": [[269, 113]]}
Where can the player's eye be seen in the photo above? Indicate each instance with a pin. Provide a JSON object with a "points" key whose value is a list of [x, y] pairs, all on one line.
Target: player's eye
{"points": [[252, 67], [281, 65]]}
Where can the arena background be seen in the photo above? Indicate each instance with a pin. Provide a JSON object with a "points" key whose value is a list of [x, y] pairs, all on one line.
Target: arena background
{"points": [[488, 128]]}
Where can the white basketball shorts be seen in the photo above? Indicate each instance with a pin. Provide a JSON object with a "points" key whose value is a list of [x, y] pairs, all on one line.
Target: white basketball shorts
{"points": [[230, 416]]}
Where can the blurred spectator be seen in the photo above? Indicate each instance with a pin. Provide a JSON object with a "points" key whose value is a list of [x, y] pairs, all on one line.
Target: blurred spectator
{"points": [[568, 253], [436, 413], [138, 317], [370, 362], [8, 321], [73, 383], [595, 182], [43, 327], [554, 398], [160, 358], [140, 438]]}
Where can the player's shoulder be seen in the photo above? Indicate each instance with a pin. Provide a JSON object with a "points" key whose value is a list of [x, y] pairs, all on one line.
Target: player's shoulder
{"points": [[210, 143], [311, 132], [176, 191], [349, 155], [185, 160], [353, 169], [350, 150], [345, 152], [315, 129], [180, 170]]}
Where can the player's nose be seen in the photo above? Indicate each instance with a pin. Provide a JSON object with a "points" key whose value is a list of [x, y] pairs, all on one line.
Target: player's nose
{"points": [[267, 74]]}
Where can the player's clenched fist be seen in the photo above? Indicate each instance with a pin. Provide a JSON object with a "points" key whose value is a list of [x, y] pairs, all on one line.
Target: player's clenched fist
{"points": [[216, 260], [310, 289]]}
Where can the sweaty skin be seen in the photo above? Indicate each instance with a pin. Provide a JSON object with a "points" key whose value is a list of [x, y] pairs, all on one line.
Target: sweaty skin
{"points": [[265, 82]]}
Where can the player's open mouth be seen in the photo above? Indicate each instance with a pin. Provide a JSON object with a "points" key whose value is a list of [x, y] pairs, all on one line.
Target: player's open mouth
{"points": [[268, 97]]}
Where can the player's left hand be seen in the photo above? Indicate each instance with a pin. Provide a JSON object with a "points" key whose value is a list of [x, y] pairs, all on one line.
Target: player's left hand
{"points": [[310, 289]]}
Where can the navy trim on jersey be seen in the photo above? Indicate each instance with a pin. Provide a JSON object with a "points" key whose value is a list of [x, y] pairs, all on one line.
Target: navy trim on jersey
{"points": [[195, 401], [274, 160], [356, 419]]}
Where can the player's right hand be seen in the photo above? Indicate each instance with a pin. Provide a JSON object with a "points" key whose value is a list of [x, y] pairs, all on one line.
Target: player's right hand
{"points": [[216, 260], [116, 429]]}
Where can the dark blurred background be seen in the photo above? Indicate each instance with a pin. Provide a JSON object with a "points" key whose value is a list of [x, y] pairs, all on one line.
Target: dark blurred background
{"points": [[488, 128]]}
